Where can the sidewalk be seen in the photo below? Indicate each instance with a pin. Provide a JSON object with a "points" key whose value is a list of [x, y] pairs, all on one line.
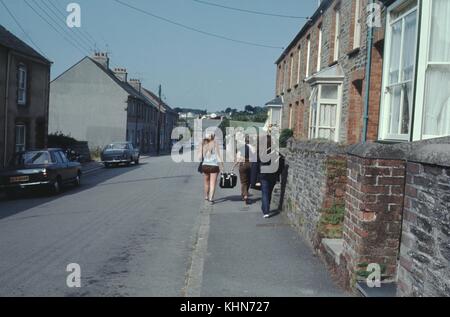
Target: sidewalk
{"points": [[247, 255]]}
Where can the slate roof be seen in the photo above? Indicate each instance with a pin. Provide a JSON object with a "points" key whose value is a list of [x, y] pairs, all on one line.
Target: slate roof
{"points": [[9, 40]]}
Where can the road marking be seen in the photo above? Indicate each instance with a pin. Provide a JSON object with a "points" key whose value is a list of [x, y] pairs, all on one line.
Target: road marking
{"points": [[194, 277]]}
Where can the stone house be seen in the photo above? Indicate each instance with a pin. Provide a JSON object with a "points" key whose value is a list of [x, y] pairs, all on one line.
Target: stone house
{"points": [[94, 103], [24, 96], [378, 192]]}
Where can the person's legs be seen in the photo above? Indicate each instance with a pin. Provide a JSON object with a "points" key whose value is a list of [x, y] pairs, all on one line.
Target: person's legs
{"points": [[212, 185], [265, 199], [245, 180], [206, 181], [267, 187]]}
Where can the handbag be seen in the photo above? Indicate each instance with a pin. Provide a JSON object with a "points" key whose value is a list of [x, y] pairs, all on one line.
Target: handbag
{"points": [[228, 180], [200, 168]]}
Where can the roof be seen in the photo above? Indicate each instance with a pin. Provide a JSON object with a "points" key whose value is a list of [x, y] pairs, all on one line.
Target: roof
{"points": [[9, 40], [124, 85], [332, 73], [278, 101], [156, 99], [323, 6]]}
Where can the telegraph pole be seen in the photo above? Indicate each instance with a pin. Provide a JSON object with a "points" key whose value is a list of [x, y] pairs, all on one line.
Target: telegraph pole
{"points": [[158, 145]]}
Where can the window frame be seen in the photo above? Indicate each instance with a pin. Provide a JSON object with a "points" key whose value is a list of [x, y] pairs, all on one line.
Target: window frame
{"points": [[299, 64], [319, 49], [337, 30], [422, 66], [314, 127], [291, 74], [357, 29], [384, 125], [22, 84], [308, 57], [24, 143]]}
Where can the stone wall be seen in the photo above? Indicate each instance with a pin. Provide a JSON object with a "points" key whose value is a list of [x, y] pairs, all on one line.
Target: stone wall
{"points": [[424, 266], [314, 184]]}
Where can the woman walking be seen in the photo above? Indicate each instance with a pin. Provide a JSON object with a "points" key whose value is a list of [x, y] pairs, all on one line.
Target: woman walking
{"points": [[210, 157], [245, 167]]}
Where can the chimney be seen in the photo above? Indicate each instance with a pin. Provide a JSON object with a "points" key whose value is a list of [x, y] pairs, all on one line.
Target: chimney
{"points": [[136, 84], [121, 73], [102, 59]]}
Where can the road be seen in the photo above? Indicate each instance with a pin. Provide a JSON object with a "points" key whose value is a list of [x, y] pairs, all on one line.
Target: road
{"points": [[146, 231]]}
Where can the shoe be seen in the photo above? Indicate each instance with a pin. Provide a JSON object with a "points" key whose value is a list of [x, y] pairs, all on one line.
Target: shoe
{"points": [[267, 216]]}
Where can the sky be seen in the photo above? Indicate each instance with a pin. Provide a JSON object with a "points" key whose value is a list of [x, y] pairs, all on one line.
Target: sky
{"points": [[195, 70]]}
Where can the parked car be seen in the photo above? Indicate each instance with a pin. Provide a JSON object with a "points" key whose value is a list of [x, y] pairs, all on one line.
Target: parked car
{"points": [[48, 168], [120, 153]]}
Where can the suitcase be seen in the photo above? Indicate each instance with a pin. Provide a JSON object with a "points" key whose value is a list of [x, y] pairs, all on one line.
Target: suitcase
{"points": [[228, 180]]}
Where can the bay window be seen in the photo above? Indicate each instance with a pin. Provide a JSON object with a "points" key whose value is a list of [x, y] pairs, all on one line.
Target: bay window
{"points": [[325, 112], [399, 70], [433, 85], [415, 102]]}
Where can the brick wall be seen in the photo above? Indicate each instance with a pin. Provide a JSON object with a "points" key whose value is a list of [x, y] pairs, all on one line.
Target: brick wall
{"points": [[424, 267], [374, 203]]}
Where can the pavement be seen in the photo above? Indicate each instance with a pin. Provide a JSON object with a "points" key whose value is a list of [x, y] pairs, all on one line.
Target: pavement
{"points": [[146, 231]]}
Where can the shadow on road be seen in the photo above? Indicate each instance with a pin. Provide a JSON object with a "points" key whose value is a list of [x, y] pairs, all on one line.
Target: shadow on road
{"points": [[36, 197]]}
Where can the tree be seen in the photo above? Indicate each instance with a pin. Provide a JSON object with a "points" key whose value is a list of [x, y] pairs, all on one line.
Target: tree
{"points": [[249, 109]]}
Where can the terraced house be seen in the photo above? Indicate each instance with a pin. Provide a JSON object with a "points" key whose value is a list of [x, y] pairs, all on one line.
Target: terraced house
{"points": [[334, 88], [365, 88]]}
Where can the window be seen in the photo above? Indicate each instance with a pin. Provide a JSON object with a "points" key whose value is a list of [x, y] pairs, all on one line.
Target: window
{"points": [[319, 49], [308, 53], [299, 63], [291, 74], [63, 156], [325, 112], [20, 138], [284, 76], [400, 53], [291, 116], [337, 30], [432, 118], [357, 25], [22, 85]]}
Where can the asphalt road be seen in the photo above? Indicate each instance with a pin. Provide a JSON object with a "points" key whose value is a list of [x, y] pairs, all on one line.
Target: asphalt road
{"points": [[146, 231]]}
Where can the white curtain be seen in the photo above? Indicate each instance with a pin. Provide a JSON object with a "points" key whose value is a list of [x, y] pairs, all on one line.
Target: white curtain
{"points": [[437, 90]]}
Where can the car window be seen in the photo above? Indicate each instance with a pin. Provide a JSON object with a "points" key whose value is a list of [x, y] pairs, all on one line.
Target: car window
{"points": [[117, 146], [63, 157], [130, 146], [31, 158], [58, 159]]}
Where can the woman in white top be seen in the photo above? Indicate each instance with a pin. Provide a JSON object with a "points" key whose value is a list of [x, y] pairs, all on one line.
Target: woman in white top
{"points": [[209, 154]]}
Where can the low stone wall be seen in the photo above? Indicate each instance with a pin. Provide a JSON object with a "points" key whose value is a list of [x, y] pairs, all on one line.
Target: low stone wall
{"points": [[424, 266], [313, 187]]}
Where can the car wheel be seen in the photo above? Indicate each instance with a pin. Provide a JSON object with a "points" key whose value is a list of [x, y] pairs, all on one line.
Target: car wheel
{"points": [[56, 187], [77, 181]]}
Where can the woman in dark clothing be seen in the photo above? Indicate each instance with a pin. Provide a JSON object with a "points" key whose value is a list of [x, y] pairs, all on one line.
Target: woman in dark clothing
{"points": [[269, 179]]}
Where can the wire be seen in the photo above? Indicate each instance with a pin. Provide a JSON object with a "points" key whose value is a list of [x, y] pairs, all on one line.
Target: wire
{"points": [[83, 30], [79, 35], [250, 11], [195, 29], [55, 29], [64, 29], [20, 26]]}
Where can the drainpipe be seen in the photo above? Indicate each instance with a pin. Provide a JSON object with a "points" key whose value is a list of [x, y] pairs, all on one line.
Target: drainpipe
{"points": [[368, 73], [8, 67]]}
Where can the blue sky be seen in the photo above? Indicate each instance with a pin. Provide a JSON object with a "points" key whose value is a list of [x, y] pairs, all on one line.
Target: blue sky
{"points": [[195, 70]]}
